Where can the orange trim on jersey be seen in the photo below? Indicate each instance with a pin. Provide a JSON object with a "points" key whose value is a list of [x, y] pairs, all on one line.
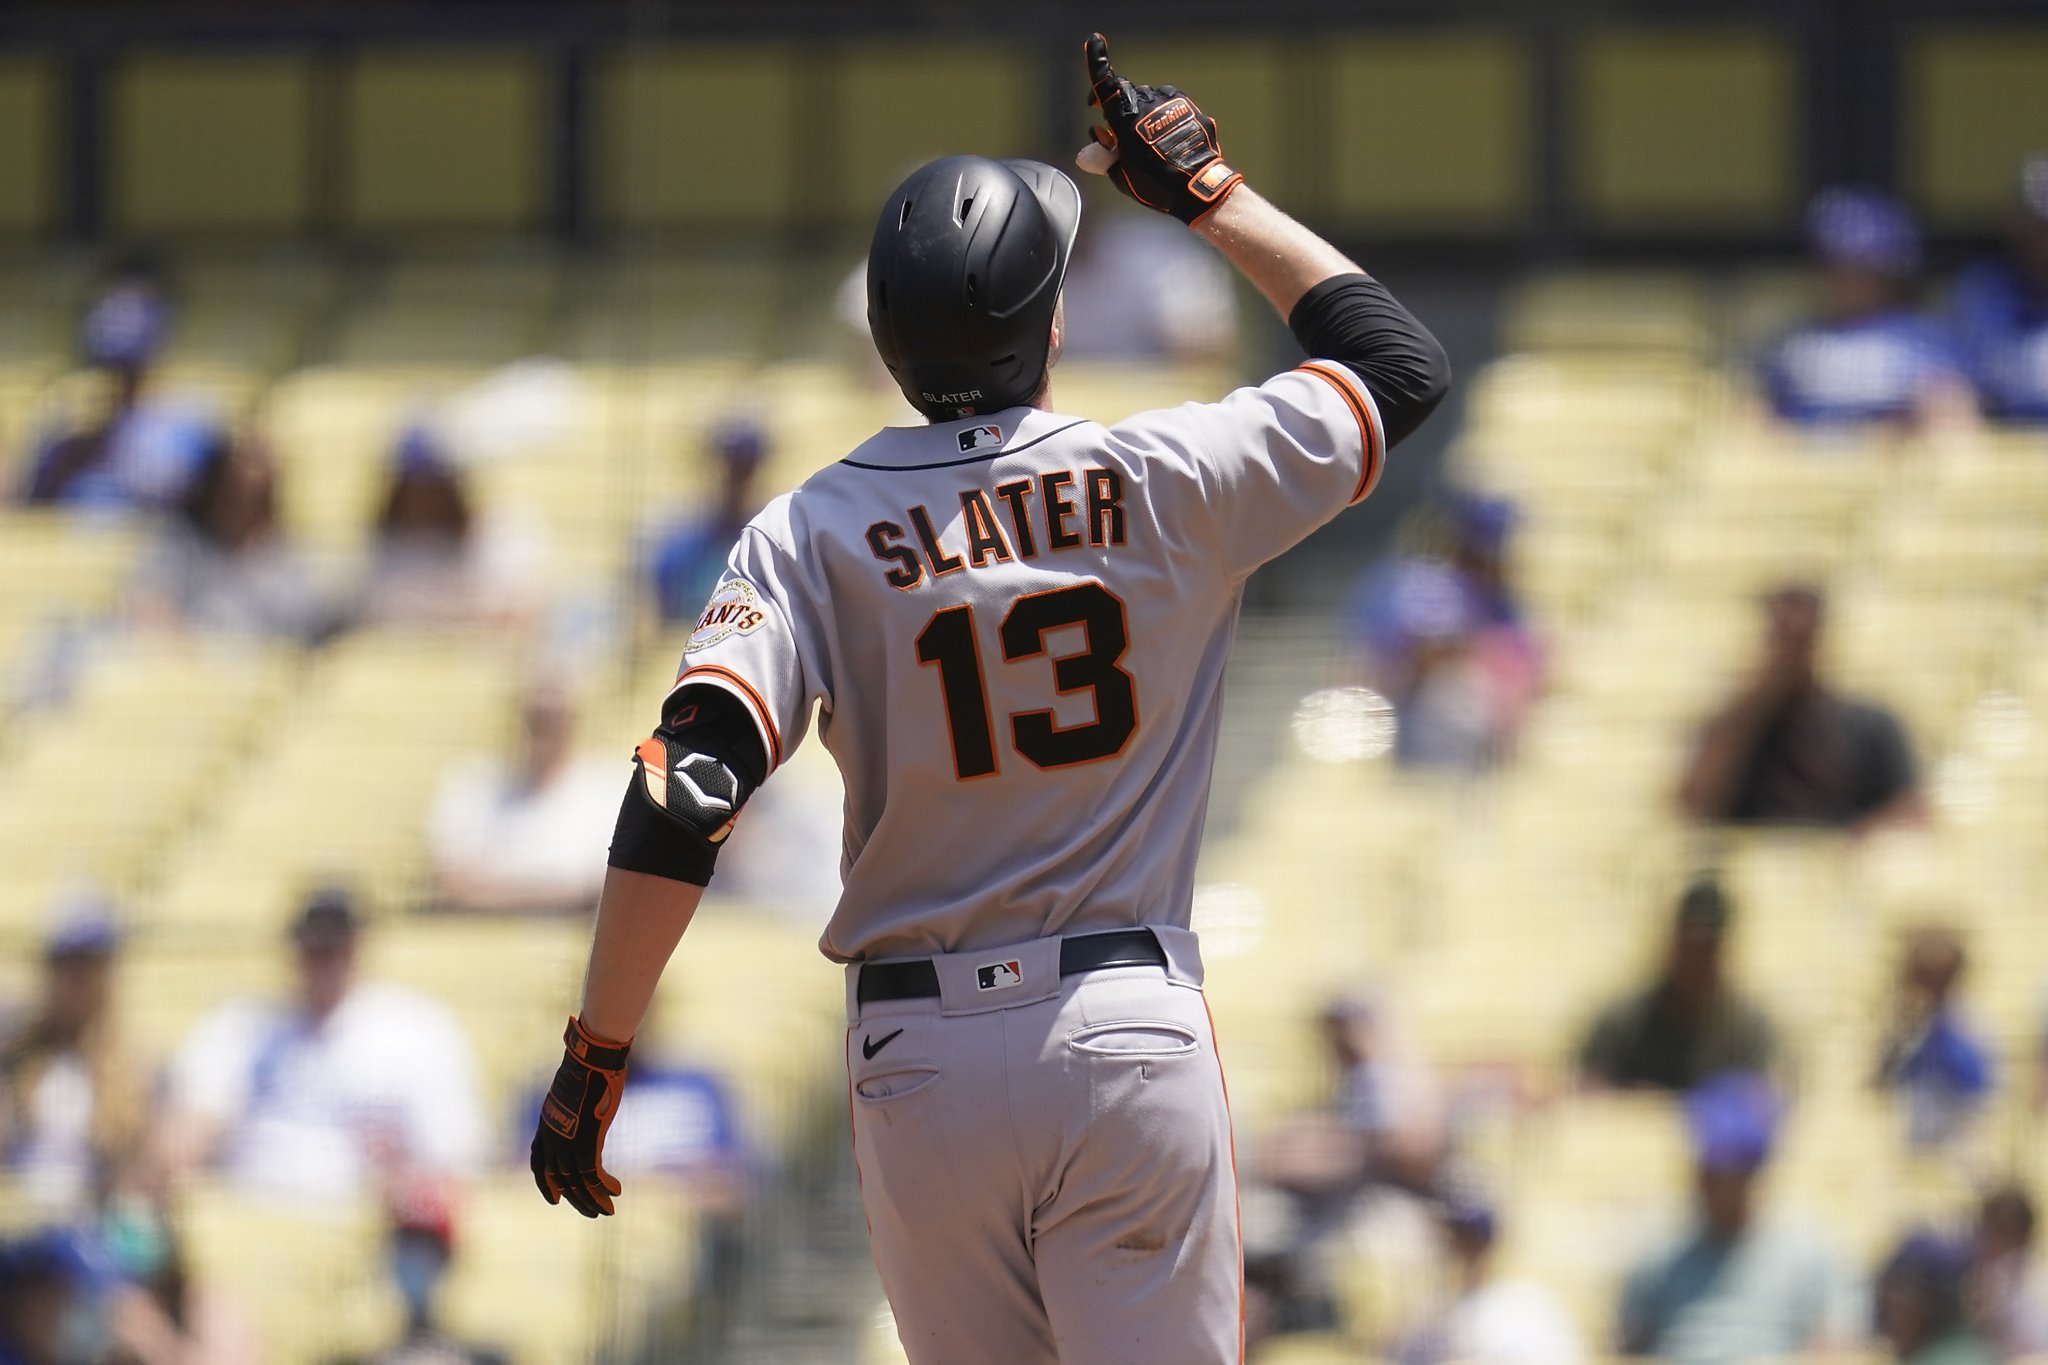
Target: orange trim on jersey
{"points": [[1368, 430], [1236, 1198], [748, 694]]}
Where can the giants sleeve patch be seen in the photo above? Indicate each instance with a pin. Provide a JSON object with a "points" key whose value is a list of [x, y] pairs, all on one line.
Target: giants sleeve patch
{"points": [[734, 609]]}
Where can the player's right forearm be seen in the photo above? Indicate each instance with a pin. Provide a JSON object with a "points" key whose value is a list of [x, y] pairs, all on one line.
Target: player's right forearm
{"points": [[1335, 310], [1282, 259]]}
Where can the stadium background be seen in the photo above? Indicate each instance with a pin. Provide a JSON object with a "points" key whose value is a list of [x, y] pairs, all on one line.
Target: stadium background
{"points": [[370, 211]]}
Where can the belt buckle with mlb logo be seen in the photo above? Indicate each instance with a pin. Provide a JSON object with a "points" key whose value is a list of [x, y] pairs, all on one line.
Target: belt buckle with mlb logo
{"points": [[999, 976]]}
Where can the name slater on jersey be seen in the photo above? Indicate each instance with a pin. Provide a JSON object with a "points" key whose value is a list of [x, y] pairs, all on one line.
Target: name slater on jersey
{"points": [[1060, 510]]}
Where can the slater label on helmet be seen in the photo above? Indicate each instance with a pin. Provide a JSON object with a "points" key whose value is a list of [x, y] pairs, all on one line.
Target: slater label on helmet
{"points": [[988, 437], [954, 399], [733, 610]]}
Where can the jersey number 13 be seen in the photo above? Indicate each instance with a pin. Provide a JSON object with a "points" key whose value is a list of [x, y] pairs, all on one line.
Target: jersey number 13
{"points": [[948, 642]]}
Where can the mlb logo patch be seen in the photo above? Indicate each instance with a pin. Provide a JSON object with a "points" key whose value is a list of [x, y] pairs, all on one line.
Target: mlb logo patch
{"points": [[987, 437], [999, 976]]}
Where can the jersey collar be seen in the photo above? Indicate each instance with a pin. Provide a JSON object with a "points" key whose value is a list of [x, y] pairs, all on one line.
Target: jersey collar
{"points": [[962, 441]]}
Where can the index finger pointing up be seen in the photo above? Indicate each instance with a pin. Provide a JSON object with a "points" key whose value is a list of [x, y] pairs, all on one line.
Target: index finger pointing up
{"points": [[1102, 77]]}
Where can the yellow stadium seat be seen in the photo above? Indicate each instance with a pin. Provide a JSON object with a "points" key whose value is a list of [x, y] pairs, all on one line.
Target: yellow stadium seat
{"points": [[1620, 311], [1565, 574], [273, 1261], [1932, 555], [665, 311], [1745, 557], [54, 564], [548, 1286], [1318, 1348]]}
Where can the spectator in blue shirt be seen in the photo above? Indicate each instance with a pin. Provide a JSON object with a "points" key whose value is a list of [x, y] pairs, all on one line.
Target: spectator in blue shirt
{"points": [[1869, 357], [1936, 1063], [689, 558], [51, 1283], [1737, 1285], [1445, 640], [2001, 311], [142, 450], [1920, 1304]]}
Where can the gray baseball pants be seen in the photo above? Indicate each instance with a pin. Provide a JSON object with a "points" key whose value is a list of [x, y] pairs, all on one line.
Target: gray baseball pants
{"points": [[1046, 1166]]}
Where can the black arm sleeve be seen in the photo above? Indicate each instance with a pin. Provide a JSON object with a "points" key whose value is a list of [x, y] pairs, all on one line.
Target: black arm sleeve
{"points": [[1354, 320], [680, 839]]}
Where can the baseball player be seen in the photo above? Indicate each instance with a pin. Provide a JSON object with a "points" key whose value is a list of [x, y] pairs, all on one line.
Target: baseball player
{"points": [[1013, 624]]}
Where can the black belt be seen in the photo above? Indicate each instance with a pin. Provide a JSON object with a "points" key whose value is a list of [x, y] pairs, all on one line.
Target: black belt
{"points": [[1083, 953]]}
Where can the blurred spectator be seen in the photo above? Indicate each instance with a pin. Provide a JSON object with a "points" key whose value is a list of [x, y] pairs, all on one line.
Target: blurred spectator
{"points": [[1284, 1292], [1445, 640], [677, 1125], [1486, 1318], [688, 559], [1869, 356], [527, 833], [1363, 1167], [1140, 289], [64, 1301], [677, 1122], [1919, 1304], [74, 1104], [140, 450], [223, 564], [435, 562], [1691, 1024], [1385, 1121], [50, 1311], [1387, 1092], [74, 1123], [2001, 310], [2008, 1298], [344, 1090], [422, 1247], [1736, 1286], [1930, 1057], [1790, 750]]}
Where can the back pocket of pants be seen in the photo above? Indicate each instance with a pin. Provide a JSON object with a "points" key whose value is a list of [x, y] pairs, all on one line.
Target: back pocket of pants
{"points": [[894, 1085], [1135, 1038]]}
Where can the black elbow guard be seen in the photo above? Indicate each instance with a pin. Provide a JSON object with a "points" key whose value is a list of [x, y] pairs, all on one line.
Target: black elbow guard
{"points": [[1354, 320], [690, 779]]}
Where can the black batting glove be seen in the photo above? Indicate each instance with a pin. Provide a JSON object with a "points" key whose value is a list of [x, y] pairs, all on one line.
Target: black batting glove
{"points": [[1167, 154], [568, 1144]]}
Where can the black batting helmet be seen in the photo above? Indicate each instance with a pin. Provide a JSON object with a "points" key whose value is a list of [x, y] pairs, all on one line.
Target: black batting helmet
{"points": [[963, 276]]}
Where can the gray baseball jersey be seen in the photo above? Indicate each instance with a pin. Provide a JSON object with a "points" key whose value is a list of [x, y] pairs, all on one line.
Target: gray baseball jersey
{"points": [[1014, 628]]}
